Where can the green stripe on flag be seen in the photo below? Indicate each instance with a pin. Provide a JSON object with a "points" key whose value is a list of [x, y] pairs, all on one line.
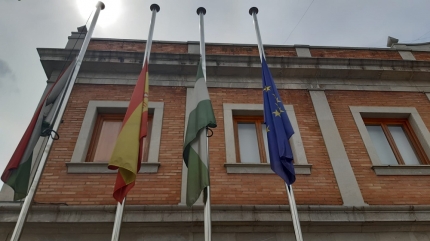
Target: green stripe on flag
{"points": [[19, 179]]}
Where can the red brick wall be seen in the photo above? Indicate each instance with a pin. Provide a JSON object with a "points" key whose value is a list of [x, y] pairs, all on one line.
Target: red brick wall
{"points": [[379, 189], [424, 56], [128, 46], [355, 53], [280, 52], [164, 187], [249, 51], [181, 48], [213, 49], [318, 188]]}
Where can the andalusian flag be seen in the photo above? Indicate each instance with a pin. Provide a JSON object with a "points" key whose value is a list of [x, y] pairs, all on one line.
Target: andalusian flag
{"points": [[17, 172], [195, 147], [128, 151]]}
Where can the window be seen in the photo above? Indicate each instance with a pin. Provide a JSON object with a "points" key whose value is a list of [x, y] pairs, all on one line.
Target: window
{"points": [[106, 130], [98, 133], [395, 142], [401, 127], [251, 139], [246, 140], [242, 121]]}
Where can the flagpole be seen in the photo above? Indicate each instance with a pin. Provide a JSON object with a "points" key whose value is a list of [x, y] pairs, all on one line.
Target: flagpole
{"points": [[253, 12], [154, 9], [118, 220], [201, 11], [120, 206], [292, 201], [293, 208], [59, 114]]}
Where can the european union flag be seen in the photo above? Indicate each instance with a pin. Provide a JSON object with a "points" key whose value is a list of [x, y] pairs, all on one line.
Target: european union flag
{"points": [[279, 129]]}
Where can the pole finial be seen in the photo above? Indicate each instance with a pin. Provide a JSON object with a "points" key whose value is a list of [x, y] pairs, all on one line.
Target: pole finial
{"points": [[101, 4], [155, 6], [253, 10], [201, 10]]}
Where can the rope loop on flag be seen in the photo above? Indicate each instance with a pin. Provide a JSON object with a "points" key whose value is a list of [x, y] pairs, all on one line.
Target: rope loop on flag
{"points": [[48, 132], [207, 132]]}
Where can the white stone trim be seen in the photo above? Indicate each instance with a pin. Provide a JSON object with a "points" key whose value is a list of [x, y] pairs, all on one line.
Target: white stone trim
{"points": [[404, 170], [303, 51], [6, 193], [417, 124], [263, 168], [102, 167], [257, 110], [346, 181], [407, 55], [78, 165]]}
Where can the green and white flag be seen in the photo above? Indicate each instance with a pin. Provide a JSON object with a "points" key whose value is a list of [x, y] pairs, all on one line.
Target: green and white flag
{"points": [[195, 146]]}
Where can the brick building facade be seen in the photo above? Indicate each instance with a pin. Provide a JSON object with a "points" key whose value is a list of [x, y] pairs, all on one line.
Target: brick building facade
{"points": [[345, 189]]}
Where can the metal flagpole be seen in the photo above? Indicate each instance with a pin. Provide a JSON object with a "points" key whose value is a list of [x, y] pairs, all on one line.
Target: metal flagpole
{"points": [[120, 207], [59, 113], [201, 11], [118, 220], [293, 208], [154, 8], [292, 201]]}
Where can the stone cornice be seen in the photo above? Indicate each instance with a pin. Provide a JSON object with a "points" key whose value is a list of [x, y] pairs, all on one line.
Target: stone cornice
{"points": [[243, 66], [227, 214]]}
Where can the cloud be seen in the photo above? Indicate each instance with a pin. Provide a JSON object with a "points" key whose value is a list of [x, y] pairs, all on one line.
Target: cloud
{"points": [[4, 69], [7, 79]]}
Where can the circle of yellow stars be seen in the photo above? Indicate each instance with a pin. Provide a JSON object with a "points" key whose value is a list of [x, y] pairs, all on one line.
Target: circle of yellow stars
{"points": [[279, 110]]}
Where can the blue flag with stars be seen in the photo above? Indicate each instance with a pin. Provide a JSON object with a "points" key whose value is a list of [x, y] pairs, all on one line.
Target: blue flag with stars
{"points": [[279, 129]]}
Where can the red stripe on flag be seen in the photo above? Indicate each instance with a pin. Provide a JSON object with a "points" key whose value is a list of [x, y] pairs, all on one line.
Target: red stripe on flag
{"points": [[121, 189], [138, 94]]}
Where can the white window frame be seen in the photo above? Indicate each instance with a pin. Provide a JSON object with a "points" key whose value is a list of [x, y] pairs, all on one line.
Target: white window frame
{"points": [[417, 124], [78, 165], [300, 161]]}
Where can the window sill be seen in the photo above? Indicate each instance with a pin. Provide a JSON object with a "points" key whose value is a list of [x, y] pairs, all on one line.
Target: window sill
{"points": [[406, 170], [94, 167], [263, 168]]}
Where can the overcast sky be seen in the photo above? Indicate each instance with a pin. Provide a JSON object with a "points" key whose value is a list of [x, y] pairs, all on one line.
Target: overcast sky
{"points": [[28, 24]]}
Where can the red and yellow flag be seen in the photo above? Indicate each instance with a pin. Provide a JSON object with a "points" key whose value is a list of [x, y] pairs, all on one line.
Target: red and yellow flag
{"points": [[128, 151]]}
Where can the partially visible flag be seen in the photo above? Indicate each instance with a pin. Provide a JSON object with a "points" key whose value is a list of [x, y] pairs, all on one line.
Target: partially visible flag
{"points": [[279, 129], [128, 151], [195, 146], [17, 172]]}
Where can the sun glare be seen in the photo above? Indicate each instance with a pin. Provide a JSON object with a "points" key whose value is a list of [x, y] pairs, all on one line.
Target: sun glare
{"points": [[107, 16]]}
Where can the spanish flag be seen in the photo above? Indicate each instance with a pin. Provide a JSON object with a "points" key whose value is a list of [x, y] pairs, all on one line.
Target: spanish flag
{"points": [[128, 151]]}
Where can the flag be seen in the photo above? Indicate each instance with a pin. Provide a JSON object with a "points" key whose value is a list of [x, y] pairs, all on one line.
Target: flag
{"points": [[195, 146], [278, 128], [128, 150], [17, 172]]}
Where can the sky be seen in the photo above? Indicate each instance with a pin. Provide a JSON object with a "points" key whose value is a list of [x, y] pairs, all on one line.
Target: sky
{"points": [[29, 24]]}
